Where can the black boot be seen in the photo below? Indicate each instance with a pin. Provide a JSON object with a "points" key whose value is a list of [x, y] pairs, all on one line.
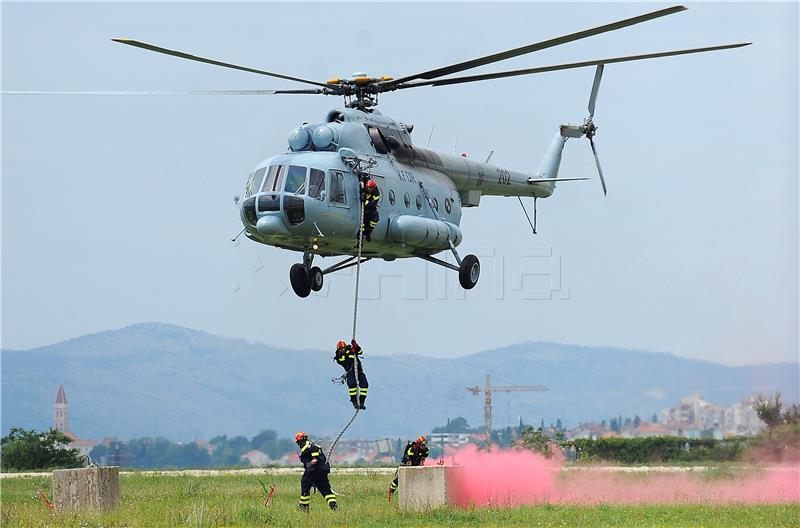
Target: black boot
{"points": [[333, 505], [303, 508], [363, 407], [354, 401]]}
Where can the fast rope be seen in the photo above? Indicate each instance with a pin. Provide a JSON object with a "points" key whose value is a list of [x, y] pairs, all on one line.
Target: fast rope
{"points": [[355, 321]]}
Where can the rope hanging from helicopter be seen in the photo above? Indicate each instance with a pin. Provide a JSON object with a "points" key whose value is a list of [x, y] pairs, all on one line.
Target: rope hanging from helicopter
{"points": [[355, 164]]}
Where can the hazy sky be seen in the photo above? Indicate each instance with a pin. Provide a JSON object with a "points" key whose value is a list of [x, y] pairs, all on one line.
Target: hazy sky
{"points": [[117, 210]]}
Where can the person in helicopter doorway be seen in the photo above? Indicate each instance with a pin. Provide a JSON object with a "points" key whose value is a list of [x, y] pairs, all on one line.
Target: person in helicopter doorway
{"points": [[348, 357], [414, 454], [315, 474], [370, 196]]}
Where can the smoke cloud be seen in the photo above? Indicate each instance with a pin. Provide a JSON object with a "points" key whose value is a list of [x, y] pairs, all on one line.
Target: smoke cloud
{"points": [[517, 477]]}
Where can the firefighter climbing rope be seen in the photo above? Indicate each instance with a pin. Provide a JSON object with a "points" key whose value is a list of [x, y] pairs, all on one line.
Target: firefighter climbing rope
{"points": [[364, 176]]}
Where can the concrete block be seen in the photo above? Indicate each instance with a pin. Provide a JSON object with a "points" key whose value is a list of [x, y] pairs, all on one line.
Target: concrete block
{"points": [[423, 487], [92, 488]]}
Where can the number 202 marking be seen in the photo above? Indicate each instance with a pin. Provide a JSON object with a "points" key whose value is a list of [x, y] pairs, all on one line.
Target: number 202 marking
{"points": [[503, 177]]}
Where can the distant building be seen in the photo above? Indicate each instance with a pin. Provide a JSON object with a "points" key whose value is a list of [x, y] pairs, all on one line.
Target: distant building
{"points": [[61, 411], [61, 423], [696, 412], [741, 418], [451, 439]]}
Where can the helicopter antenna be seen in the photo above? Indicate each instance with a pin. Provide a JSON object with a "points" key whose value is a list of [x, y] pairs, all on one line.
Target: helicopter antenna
{"points": [[428, 144], [491, 153]]}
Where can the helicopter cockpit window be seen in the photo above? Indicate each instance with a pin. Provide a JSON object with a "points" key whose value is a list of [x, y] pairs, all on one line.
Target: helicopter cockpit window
{"points": [[316, 184], [337, 188], [254, 183], [296, 180], [273, 179]]}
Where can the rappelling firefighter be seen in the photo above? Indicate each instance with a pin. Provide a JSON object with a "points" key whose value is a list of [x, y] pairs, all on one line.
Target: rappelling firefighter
{"points": [[348, 357], [315, 474], [370, 196], [414, 454]]}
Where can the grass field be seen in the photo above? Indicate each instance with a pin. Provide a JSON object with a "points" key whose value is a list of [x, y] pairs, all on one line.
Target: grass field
{"points": [[237, 500]]}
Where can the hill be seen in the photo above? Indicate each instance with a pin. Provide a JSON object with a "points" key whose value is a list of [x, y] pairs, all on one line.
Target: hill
{"points": [[155, 379]]}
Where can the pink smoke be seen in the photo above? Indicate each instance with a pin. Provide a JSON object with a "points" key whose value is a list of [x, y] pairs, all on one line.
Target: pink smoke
{"points": [[516, 477]]}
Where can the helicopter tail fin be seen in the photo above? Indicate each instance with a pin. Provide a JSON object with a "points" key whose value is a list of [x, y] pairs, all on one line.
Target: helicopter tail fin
{"points": [[551, 162]]}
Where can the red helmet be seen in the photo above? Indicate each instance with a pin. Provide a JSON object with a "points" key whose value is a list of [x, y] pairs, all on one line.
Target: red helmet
{"points": [[371, 184], [422, 439], [299, 437], [340, 345]]}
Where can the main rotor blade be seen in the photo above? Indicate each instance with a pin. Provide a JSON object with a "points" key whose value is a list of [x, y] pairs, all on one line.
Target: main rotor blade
{"points": [[599, 170], [528, 71], [538, 46], [595, 87], [183, 55], [186, 92]]}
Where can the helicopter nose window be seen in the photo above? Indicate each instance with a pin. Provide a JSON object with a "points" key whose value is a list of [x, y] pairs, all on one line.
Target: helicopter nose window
{"points": [[316, 184], [296, 180], [272, 181], [254, 183]]}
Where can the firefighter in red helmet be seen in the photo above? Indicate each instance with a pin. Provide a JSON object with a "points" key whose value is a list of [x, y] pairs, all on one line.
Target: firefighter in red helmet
{"points": [[414, 454], [315, 474], [370, 196], [348, 357]]}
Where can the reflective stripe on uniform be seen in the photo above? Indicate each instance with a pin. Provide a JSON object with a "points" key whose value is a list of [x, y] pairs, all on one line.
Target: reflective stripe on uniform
{"points": [[306, 446], [315, 454], [330, 498]]}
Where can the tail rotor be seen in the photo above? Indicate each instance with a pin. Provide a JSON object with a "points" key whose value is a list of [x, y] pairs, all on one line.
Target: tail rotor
{"points": [[589, 129]]}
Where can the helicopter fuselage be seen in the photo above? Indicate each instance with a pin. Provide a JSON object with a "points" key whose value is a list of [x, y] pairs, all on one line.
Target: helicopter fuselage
{"points": [[308, 199]]}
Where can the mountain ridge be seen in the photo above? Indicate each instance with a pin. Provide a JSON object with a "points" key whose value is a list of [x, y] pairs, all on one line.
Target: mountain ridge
{"points": [[158, 379]]}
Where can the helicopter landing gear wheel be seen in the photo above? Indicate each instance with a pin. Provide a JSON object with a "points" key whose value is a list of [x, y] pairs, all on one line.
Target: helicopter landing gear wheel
{"points": [[300, 279], [469, 272], [316, 278]]}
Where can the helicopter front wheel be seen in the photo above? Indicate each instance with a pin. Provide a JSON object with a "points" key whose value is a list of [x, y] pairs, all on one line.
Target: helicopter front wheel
{"points": [[300, 279], [469, 272], [316, 277]]}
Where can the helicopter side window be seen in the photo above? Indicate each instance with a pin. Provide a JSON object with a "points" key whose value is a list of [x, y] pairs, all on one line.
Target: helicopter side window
{"points": [[435, 204], [419, 202], [407, 200], [337, 188], [391, 197], [272, 181], [296, 180], [316, 184]]}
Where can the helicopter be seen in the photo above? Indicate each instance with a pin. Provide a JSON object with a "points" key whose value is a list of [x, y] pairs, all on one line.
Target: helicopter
{"points": [[308, 198]]}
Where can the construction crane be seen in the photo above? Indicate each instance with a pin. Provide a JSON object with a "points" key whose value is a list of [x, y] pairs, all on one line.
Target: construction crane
{"points": [[487, 399]]}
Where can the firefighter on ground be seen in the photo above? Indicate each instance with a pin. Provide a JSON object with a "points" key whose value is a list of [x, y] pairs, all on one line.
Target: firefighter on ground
{"points": [[370, 195], [316, 472], [348, 357], [414, 454]]}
